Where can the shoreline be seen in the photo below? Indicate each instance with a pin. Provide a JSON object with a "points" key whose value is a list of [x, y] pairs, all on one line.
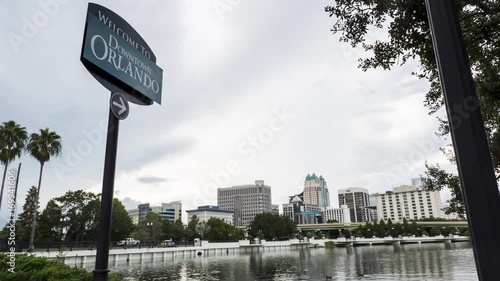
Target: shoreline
{"points": [[86, 258]]}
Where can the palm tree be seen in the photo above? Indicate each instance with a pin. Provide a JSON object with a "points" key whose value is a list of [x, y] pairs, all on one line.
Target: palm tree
{"points": [[42, 146], [13, 138]]}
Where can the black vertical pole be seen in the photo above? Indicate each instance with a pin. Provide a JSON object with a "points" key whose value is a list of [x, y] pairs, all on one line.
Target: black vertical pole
{"points": [[102, 256], [477, 177]]}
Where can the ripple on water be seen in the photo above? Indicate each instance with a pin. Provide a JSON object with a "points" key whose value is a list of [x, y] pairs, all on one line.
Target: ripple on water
{"points": [[405, 262]]}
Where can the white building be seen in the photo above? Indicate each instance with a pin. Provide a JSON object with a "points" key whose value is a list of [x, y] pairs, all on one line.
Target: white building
{"points": [[342, 214], [204, 213], [408, 202], [171, 211]]}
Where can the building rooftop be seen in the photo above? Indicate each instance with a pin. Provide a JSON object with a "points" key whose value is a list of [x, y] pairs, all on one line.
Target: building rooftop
{"points": [[211, 208], [352, 189], [314, 177], [258, 183]]}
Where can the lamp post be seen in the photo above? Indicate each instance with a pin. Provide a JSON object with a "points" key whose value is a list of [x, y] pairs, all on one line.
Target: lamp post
{"points": [[65, 228], [150, 230]]}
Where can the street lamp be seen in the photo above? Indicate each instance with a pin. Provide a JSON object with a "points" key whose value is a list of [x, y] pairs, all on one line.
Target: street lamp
{"points": [[65, 228], [150, 230]]}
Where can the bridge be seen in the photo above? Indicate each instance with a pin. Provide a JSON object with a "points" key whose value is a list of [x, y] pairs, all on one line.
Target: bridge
{"points": [[353, 225]]}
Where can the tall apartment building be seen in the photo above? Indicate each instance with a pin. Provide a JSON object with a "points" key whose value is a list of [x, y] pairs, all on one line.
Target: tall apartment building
{"points": [[245, 201], [358, 201], [316, 191], [408, 202], [171, 211], [341, 215]]}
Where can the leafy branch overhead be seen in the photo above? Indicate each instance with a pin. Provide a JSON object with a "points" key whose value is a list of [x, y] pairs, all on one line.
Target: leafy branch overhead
{"points": [[406, 36], [409, 37]]}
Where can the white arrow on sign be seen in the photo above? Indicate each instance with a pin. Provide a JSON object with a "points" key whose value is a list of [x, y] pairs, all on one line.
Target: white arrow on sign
{"points": [[121, 105]]}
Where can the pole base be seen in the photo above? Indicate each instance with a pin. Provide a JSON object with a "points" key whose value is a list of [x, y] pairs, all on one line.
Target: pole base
{"points": [[100, 274]]}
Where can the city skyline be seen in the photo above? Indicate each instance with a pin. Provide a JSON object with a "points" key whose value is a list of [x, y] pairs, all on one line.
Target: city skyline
{"points": [[273, 99], [354, 214]]}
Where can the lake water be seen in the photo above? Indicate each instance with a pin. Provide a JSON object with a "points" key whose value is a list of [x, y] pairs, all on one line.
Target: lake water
{"points": [[405, 262]]}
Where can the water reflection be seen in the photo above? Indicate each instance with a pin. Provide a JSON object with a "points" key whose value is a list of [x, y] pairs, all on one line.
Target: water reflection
{"points": [[401, 262]]}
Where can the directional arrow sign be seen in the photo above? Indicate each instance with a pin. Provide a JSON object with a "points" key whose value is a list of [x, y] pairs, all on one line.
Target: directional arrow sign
{"points": [[119, 106]]}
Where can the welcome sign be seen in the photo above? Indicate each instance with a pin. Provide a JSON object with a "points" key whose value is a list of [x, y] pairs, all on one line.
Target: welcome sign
{"points": [[119, 58]]}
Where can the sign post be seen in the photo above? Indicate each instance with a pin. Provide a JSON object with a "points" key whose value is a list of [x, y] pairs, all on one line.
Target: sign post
{"points": [[117, 56], [477, 177], [105, 218]]}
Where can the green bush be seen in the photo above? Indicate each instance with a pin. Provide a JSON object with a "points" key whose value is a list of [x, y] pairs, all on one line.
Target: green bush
{"points": [[329, 245], [30, 268], [435, 231]]}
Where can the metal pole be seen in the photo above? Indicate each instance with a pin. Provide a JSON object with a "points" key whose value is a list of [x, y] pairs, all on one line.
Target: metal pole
{"points": [[477, 177], [102, 255]]}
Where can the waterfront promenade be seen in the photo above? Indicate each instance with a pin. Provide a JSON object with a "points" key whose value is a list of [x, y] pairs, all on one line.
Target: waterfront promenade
{"points": [[86, 258]]}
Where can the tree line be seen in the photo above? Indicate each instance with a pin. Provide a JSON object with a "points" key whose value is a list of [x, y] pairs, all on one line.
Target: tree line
{"points": [[72, 217], [265, 225], [382, 229]]}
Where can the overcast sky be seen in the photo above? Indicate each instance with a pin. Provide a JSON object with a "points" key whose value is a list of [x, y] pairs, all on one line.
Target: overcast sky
{"points": [[251, 90]]}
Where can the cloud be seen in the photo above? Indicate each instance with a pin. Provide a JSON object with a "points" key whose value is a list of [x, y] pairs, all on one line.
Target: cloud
{"points": [[151, 179], [130, 203], [221, 83]]}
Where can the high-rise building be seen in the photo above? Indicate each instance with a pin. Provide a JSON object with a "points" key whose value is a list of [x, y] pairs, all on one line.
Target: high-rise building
{"points": [[171, 211], [204, 213], [408, 202], [357, 199], [245, 201], [300, 212], [316, 191], [341, 215]]}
